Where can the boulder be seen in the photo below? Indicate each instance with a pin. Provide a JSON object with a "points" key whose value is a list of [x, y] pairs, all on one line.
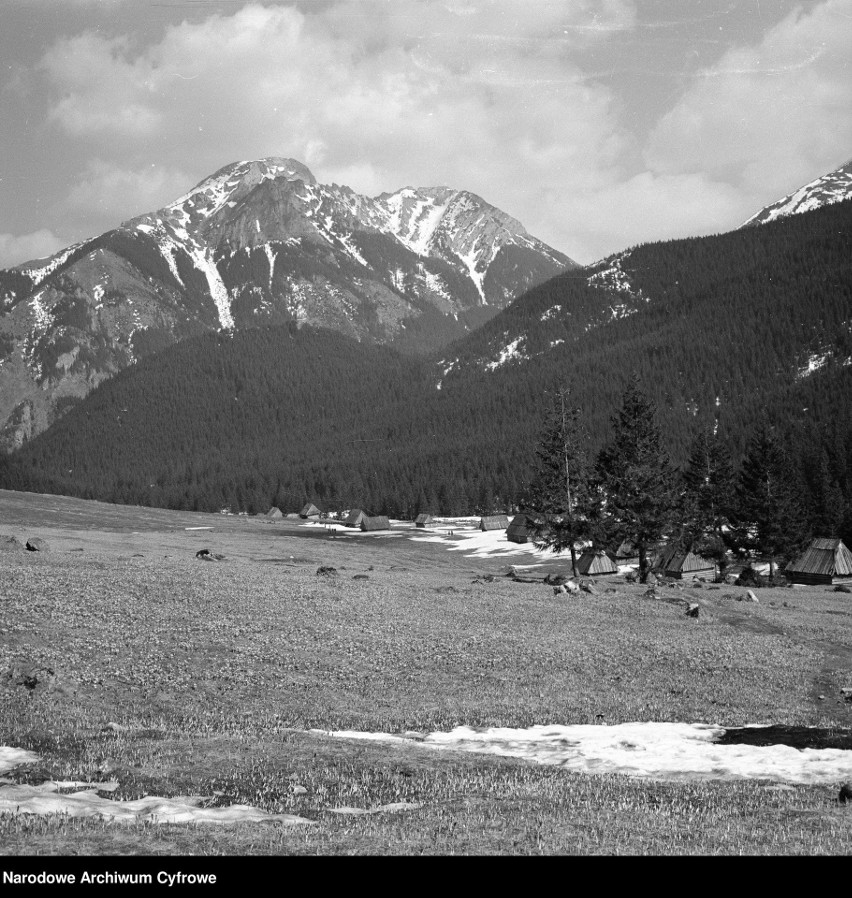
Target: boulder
{"points": [[36, 544], [752, 597], [631, 577], [845, 793], [325, 571], [651, 579], [692, 609], [360, 577], [589, 587], [571, 586], [839, 588], [555, 579], [10, 544]]}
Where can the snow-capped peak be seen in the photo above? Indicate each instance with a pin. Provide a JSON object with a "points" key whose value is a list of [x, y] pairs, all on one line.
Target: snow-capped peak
{"points": [[834, 187]]}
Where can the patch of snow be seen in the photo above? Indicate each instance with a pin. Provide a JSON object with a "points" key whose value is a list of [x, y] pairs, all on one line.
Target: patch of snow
{"points": [[270, 255], [10, 758], [46, 800], [507, 354], [815, 361], [647, 750], [476, 543], [469, 260], [38, 274], [550, 313], [205, 264]]}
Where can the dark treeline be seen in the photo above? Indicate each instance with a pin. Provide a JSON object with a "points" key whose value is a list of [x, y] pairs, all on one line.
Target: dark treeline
{"points": [[280, 416]]}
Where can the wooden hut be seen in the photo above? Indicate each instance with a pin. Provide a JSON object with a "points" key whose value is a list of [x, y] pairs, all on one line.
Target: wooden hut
{"points": [[519, 530], [354, 518], [626, 552], [595, 564], [274, 513], [494, 522], [677, 564], [825, 561], [310, 513], [424, 520], [379, 522]]}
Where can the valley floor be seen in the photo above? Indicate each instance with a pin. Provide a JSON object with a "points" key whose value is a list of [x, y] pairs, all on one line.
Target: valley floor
{"points": [[174, 676]]}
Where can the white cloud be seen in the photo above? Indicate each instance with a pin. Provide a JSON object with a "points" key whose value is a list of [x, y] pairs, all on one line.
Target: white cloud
{"points": [[15, 249], [768, 117], [481, 96], [487, 95], [113, 193]]}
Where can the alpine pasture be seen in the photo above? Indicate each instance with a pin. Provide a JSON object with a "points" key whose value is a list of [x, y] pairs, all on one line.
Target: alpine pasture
{"points": [[159, 671]]}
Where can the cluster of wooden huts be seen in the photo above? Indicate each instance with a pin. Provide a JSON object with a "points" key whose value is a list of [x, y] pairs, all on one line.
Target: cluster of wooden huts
{"points": [[825, 561]]}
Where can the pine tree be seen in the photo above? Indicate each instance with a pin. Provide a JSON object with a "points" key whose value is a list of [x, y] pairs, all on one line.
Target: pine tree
{"points": [[768, 517], [559, 500], [829, 506], [637, 477], [709, 484]]}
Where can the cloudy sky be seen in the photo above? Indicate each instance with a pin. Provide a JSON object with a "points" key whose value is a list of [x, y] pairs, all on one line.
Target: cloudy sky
{"points": [[598, 123]]}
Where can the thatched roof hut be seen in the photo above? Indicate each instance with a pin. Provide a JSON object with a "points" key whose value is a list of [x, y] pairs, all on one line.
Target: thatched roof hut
{"points": [[494, 522], [310, 512], [824, 561], [354, 518], [379, 522], [424, 520], [519, 530], [595, 564], [274, 513]]}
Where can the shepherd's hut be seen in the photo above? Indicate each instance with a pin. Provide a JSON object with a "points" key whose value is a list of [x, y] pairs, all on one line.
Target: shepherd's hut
{"points": [[274, 513], [677, 564], [519, 530], [379, 522], [354, 518], [424, 520], [494, 522], [310, 513], [825, 561], [595, 564]]}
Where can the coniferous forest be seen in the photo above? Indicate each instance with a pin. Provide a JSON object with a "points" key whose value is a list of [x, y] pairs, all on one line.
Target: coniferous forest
{"points": [[740, 333]]}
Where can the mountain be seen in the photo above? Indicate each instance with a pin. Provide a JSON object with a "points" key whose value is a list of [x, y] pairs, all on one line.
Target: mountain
{"points": [[257, 243], [722, 331], [834, 187]]}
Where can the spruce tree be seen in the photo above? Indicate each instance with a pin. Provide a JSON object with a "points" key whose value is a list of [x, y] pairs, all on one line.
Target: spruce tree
{"points": [[638, 481], [559, 501], [709, 483], [768, 516]]}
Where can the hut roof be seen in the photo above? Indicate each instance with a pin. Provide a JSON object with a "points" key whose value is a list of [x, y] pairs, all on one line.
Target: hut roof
{"points": [[591, 563], [423, 519], [674, 560], [494, 522], [379, 522], [627, 549], [354, 518], [830, 557], [274, 513], [309, 511]]}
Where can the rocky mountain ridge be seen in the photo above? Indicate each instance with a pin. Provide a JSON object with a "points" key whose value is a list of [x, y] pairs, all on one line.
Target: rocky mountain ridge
{"points": [[258, 242]]}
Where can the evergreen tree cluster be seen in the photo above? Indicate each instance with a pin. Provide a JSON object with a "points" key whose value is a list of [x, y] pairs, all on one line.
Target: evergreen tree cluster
{"points": [[634, 494]]}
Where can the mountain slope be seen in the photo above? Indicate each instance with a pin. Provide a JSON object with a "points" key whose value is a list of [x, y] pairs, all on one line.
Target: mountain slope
{"points": [[721, 330], [257, 243], [834, 187]]}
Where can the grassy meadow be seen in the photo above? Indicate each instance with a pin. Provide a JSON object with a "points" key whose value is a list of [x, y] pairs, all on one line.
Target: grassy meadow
{"points": [[177, 676]]}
